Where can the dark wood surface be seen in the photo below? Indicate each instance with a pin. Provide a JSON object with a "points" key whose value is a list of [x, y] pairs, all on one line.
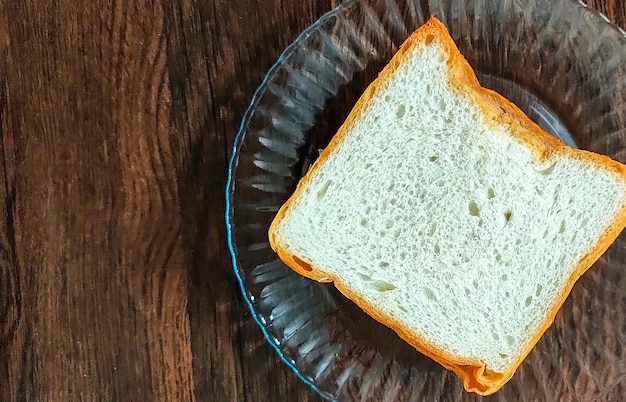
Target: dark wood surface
{"points": [[116, 120]]}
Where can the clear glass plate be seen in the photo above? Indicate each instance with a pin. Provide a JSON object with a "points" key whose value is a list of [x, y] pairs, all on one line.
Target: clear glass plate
{"points": [[562, 63]]}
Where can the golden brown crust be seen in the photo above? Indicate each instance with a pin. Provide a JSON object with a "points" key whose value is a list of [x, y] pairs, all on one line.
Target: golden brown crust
{"points": [[496, 109]]}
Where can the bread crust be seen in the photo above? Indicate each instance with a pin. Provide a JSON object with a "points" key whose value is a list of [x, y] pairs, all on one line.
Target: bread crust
{"points": [[497, 111]]}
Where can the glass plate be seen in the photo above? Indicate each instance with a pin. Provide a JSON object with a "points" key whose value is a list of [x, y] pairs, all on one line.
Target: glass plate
{"points": [[562, 63]]}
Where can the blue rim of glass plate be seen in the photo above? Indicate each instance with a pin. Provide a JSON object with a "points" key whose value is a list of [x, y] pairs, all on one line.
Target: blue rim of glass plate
{"points": [[230, 184], [235, 156]]}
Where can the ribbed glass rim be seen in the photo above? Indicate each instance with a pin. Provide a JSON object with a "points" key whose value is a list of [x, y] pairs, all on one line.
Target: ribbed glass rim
{"points": [[230, 183]]}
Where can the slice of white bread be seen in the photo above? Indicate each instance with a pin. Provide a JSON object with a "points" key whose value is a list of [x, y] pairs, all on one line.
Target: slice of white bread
{"points": [[449, 216]]}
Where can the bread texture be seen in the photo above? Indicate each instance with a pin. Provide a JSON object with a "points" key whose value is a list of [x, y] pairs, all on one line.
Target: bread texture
{"points": [[446, 214]]}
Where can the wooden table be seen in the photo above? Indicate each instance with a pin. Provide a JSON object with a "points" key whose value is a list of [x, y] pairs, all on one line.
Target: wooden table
{"points": [[117, 119]]}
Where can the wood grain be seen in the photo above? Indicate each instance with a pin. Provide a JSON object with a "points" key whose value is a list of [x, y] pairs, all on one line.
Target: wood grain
{"points": [[116, 122]]}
